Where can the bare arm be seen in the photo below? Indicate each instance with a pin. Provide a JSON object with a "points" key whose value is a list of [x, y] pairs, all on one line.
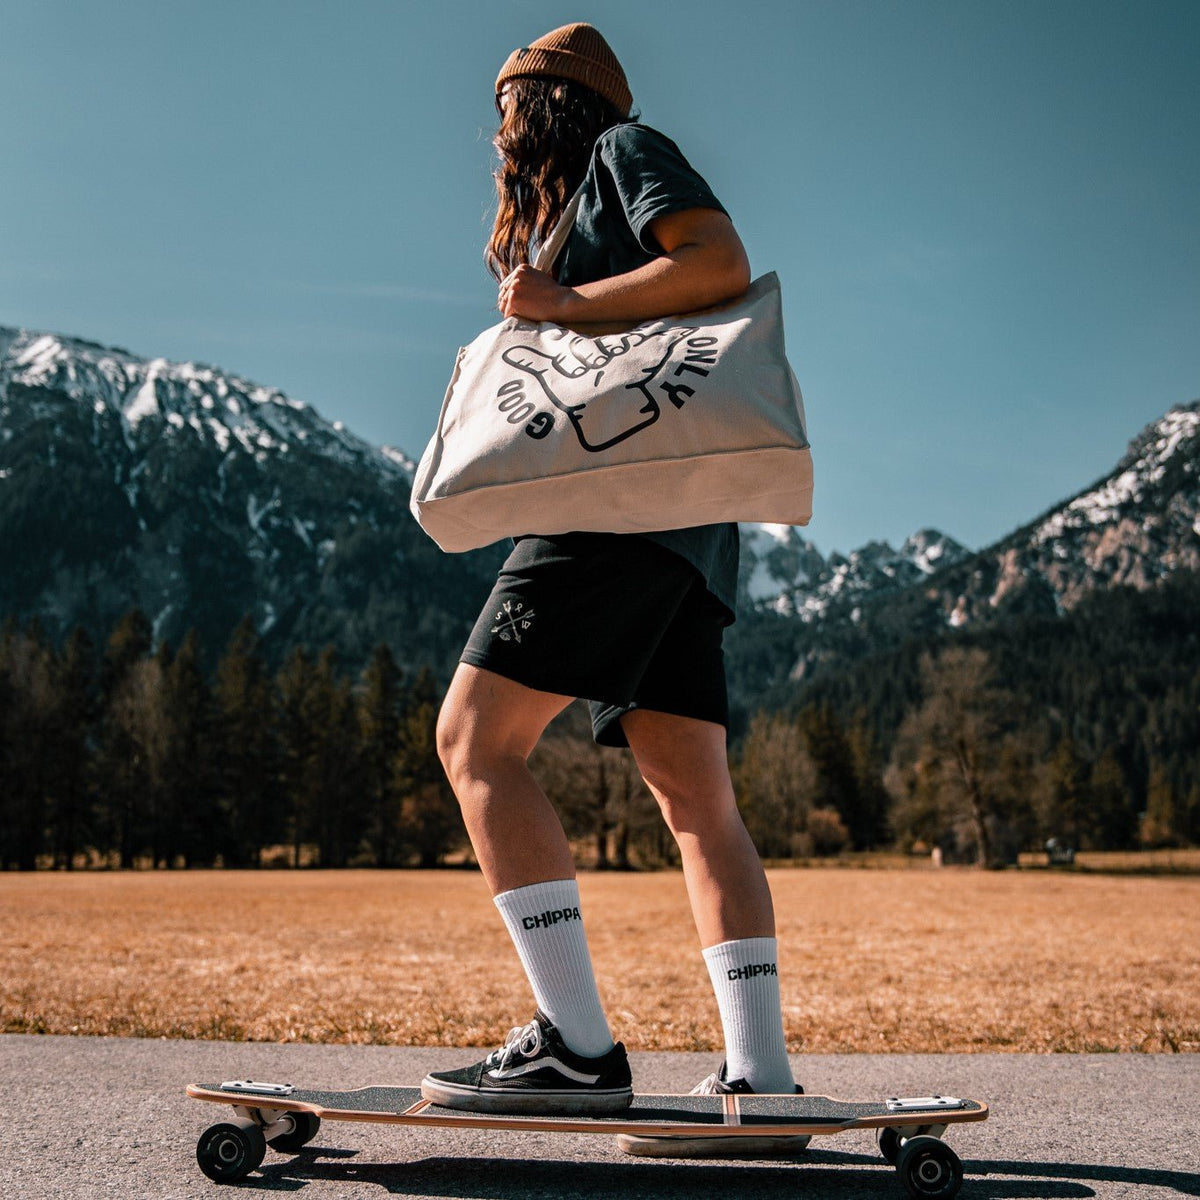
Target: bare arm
{"points": [[703, 263]]}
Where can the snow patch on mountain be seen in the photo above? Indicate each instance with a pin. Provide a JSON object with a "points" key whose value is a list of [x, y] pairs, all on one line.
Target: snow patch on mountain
{"points": [[401, 460], [787, 574], [1144, 465], [218, 406], [1134, 528]]}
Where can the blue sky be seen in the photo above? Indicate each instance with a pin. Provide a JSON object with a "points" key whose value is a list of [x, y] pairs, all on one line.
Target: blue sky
{"points": [[986, 217]]}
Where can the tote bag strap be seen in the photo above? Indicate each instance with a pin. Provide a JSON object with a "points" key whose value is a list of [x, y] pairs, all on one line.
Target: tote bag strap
{"points": [[548, 253]]}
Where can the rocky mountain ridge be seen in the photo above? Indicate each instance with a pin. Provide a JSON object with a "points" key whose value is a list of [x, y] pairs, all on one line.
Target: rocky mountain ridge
{"points": [[1136, 526], [200, 496], [787, 574]]}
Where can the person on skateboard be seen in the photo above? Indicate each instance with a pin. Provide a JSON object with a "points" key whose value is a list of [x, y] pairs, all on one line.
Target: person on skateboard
{"points": [[632, 623]]}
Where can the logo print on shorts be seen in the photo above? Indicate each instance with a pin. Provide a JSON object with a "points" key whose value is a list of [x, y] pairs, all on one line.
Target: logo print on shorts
{"points": [[513, 620]]}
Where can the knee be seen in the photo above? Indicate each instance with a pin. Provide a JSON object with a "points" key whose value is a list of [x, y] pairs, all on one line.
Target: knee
{"points": [[663, 785], [683, 813], [692, 802], [676, 796], [453, 742], [469, 751], [674, 814]]}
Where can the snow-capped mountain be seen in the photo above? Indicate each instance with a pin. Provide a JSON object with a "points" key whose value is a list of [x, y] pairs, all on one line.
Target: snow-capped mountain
{"points": [[187, 400], [200, 496], [783, 572], [1136, 526]]}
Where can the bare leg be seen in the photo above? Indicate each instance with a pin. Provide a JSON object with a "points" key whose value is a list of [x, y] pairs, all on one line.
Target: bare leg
{"points": [[487, 729], [684, 763]]}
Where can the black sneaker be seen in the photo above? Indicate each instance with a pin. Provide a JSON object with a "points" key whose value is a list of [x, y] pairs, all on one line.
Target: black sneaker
{"points": [[535, 1073], [739, 1146]]}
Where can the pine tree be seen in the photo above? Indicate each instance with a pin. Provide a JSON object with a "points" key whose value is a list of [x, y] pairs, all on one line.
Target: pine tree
{"points": [[247, 818], [379, 732], [838, 783], [27, 681], [72, 820], [432, 821], [1067, 796], [153, 733], [873, 800], [1160, 824], [336, 780], [121, 768], [298, 728], [191, 775], [1112, 821]]}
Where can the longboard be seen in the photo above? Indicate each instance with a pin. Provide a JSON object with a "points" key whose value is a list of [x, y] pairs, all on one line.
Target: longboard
{"points": [[287, 1118]]}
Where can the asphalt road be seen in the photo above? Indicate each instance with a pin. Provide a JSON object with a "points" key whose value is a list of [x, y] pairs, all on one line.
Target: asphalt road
{"points": [[107, 1117]]}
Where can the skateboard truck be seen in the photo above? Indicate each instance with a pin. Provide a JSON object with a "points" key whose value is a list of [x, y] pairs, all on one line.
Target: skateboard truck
{"points": [[899, 1104], [258, 1089]]}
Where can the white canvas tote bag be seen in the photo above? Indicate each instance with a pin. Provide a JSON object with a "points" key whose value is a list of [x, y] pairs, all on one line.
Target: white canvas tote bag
{"points": [[672, 422]]}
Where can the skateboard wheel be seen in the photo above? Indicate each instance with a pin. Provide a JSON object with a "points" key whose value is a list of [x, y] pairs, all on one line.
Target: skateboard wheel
{"points": [[890, 1141], [889, 1144], [230, 1150], [305, 1129], [928, 1167]]}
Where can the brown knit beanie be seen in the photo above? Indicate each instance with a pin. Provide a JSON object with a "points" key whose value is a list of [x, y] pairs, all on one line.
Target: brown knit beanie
{"points": [[575, 52]]}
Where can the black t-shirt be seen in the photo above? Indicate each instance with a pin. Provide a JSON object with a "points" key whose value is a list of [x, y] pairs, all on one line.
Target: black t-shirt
{"points": [[635, 175]]}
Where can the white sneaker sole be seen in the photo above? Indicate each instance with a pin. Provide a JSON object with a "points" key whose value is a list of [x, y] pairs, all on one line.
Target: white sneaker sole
{"points": [[543, 1102], [744, 1146]]}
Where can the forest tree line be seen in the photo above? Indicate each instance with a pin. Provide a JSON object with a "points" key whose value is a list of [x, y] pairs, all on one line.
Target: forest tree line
{"points": [[134, 756], [131, 754], [1083, 726]]}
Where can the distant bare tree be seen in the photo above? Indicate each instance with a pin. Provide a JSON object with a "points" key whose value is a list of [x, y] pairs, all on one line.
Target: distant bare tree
{"points": [[598, 793], [958, 759], [776, 780]]}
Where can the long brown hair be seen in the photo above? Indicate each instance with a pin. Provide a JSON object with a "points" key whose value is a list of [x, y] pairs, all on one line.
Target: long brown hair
{"points": [[547, 131]]}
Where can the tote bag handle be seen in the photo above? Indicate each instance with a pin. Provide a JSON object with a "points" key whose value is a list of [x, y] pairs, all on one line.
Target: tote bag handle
{"points": [[548, 253]]}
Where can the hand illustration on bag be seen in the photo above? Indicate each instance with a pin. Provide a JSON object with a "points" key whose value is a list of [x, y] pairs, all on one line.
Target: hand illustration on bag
{"points": [[570, 375]]}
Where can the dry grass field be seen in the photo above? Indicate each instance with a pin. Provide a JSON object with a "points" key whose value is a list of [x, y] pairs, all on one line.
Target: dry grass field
{"points": [[882, 960]]}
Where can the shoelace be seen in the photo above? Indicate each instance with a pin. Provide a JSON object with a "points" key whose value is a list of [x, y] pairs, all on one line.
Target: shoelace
{"points": [[711, 1086], [714, 1085], [525, 1040]]}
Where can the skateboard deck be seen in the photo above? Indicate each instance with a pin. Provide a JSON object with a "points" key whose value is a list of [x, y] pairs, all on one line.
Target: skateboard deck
{"points": [[286, 1118]]}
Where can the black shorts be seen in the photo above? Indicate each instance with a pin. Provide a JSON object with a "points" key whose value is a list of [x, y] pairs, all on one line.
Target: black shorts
{"points": [[616, 620]]}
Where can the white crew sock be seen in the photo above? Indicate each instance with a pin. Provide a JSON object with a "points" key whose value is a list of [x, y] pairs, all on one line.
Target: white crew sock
{"points": [[745, 977], [544, 923]]}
